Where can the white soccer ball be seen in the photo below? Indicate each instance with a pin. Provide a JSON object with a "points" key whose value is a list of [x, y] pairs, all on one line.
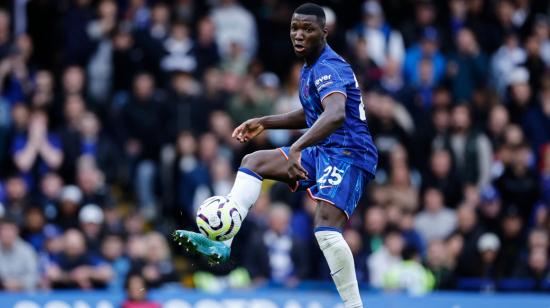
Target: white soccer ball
{"points": [[218, 218]]}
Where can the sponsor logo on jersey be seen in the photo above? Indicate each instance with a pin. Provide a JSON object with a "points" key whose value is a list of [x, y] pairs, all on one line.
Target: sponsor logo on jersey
{"points": [[323, 82], [322, 79]]}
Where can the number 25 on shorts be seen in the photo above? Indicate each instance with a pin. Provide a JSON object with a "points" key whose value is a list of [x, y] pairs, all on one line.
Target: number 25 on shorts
{"points": [[332, 175]]}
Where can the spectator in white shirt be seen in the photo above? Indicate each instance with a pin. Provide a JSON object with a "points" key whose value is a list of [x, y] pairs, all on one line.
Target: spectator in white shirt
{"points": [[234, 24], [18, 262], [436, 221], [389, 255]]}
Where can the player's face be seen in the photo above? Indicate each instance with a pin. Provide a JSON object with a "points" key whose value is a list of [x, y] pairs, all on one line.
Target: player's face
{"points": [[306, 34]]}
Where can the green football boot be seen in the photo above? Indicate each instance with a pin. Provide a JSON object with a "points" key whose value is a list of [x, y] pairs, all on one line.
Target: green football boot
{"points": [[193, 242]]}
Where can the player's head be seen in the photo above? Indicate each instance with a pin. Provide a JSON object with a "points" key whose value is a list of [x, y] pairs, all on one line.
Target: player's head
{"points": [[308, 30]]}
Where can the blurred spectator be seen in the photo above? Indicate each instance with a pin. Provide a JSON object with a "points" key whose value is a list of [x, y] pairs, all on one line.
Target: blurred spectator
{"points": [[180, 50], [427, 49], [18, 262], [438, 261], [69, 206], [538, 238], [137, 13], [412, 237], [470, 230], [490, 209], [409, 275], [99, 66], [380, 262], [92, 183], [136, 293], [505, 59], [521, 97], [192, 176], [76, 268], [519, 183], [381, 40], [207, 49], [156, 265], [76, 42], [38, 151], [16, 197], [392, 81], [489, 246], [234, 26], [386, 126], [534, 63], [512, 240], [436, 221], [278, 256], [16, 73], [33, 228], [43, 91], [185, 111], [537, 267], [250, 102], [442, 176], [335, 37], [150, 39], [402, 194], [112, 250], [498, 121], [424, 16], [128, 59], [471, 150], [91, 220], [50, 190], [374, 226], [74, 108], [139, 125], [467, 66], [98, 146]]}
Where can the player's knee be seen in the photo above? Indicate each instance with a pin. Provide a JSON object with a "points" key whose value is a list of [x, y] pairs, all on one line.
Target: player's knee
{"points": [[327, 215], [251, 161]]}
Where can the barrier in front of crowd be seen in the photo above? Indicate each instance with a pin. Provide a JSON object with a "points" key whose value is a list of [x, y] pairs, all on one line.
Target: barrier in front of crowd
{"points": [[272, 298]]}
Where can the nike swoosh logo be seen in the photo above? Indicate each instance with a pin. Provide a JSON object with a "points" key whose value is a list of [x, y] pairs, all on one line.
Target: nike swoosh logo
{"points": [[325, 186], [338, 271]]}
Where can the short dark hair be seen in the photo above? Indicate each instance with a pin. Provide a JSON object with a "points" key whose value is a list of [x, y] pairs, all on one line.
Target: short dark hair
{"points": [[312, 9], [8, 220]]}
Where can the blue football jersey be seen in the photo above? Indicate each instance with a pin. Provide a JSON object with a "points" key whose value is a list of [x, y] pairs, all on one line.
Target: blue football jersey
{"points": [[352, 142]]}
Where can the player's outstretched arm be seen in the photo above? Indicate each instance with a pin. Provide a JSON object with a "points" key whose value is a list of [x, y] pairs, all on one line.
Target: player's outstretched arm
{"points": [[330, 120], [251, 128]]}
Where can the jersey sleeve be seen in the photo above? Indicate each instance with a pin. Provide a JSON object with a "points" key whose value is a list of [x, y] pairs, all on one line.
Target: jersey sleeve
{"points": [[328, 78]]}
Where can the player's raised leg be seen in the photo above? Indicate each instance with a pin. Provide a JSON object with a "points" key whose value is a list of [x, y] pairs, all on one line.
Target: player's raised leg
{"points": [[269, 164], [329, 221]]}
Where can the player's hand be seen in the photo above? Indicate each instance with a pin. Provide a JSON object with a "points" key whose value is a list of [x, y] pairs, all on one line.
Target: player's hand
{"points": [[248, 130], [295, 169]]}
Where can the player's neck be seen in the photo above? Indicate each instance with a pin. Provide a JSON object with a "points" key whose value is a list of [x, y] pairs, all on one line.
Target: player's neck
{"points": [[314, 56]]}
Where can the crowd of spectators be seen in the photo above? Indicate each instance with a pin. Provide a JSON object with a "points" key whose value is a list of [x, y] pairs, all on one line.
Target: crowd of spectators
{"points": [[116, 120]]}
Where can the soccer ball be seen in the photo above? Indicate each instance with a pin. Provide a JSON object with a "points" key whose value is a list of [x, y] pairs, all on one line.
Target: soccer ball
{"points": [[218, 218]]}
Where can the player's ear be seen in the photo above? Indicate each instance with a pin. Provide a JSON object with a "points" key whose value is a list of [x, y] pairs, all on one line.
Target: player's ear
{"points": [[325, 32]]}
